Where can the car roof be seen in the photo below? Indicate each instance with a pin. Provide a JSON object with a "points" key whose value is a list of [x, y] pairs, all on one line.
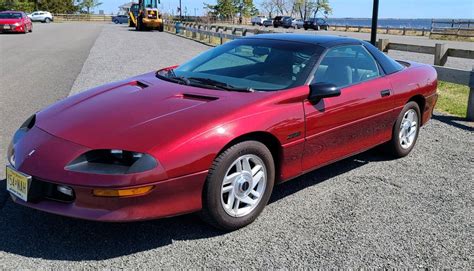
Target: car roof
{"points": [[321, 40]]}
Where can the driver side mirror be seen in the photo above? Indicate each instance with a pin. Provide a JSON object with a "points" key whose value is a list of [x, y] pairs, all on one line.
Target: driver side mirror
{"points": [[317, 91]]}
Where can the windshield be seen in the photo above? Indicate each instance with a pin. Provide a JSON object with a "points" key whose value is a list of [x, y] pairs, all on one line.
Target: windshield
{"points": [[150, 3], [252, 64], [10, 15]]}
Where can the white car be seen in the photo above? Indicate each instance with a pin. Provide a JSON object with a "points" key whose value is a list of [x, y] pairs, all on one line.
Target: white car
{"points": [[298, 23], [41, 16], [258, 20]]}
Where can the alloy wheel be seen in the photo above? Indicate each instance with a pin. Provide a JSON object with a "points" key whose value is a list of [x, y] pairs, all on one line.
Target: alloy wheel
{"points": [[243, 185]]}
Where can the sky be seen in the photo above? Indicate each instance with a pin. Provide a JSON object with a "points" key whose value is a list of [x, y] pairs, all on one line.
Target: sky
{"points": [[345, 8]]}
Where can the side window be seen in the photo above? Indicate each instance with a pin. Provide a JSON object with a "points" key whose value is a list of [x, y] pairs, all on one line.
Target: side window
{"points": [[347, 65]]}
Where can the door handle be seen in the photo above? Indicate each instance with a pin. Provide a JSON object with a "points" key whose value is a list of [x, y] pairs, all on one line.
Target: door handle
{"points": [[385, 92]]}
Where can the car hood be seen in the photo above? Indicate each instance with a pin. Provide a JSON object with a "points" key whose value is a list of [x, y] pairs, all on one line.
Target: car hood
{"points": [[9, 21], [140, 113]]}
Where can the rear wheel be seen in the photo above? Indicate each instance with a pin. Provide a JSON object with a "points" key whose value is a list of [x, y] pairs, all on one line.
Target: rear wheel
{"points": [[47, 20], [161, 28], [238, 186], [405, 131]]}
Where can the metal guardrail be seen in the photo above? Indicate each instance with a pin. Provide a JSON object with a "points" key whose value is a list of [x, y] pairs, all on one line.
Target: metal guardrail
{"points": [[83, 17], [206, 33]]}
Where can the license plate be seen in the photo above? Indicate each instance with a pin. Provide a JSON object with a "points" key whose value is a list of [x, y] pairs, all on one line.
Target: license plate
{"points": [[18, 183], [6, 27]]}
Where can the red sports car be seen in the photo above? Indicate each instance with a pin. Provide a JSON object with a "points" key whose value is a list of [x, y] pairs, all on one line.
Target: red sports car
{"points": [[15, 21], [215, 134]]}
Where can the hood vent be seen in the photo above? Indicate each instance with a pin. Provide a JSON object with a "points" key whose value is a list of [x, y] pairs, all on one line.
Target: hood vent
{"points": [[198, 97], [138, 84]]}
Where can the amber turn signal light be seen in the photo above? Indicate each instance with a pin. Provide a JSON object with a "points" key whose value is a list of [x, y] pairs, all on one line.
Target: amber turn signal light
{"points": [[122, 192]]}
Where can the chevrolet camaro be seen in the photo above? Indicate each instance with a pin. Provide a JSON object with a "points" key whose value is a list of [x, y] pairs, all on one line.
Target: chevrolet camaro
{"points": [[215, 134]]}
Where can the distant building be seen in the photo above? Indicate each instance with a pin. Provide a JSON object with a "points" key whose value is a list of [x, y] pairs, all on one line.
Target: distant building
{"points": [[125, 8]]}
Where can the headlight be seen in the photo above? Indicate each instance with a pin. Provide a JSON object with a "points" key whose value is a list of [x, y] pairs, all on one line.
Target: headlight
{"points": [[19, 134], [16, 24], [112, 162]]}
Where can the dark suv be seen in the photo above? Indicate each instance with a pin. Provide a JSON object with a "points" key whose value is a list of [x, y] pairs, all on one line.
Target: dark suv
{"points": [[316, 24], [278, 21]]}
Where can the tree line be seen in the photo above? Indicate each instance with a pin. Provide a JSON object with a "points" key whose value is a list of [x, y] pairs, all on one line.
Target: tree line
{"points": [[53, 6], [246, 8]]}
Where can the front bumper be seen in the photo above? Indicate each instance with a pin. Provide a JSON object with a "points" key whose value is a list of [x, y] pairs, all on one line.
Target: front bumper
{"points": [[44, 156], [13, 28], [168, 198], [152, 22]]}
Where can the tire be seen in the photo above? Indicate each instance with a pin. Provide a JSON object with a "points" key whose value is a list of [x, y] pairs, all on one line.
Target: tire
{"points": [[31, 28], [161, 28], [47, 20], [253, 24], [318, 28], [216, 209], [116, 22], [25, 29], [401, 144], [326, 28], [305, 28], [139, 26]]}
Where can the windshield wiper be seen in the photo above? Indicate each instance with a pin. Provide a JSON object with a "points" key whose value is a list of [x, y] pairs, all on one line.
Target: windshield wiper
{"points": [[218, 84], [173, 78]]}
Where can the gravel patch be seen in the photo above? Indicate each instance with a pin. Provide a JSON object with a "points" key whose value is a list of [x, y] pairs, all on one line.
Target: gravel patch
{"points": [[367, 211]]}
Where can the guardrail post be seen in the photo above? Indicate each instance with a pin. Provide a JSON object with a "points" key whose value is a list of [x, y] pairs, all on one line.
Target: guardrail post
{"points": [[404, 31], [441, 54], [470, 102], [423, 32], [383, 45]]}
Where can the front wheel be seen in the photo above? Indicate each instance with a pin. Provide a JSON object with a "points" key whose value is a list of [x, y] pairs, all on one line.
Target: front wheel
{"points": [[238, 186], [405, 131], [47, 20]]}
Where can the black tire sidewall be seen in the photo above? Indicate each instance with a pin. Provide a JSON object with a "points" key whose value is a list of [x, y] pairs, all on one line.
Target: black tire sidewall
{"points": [[396, 146], [212, 192]]}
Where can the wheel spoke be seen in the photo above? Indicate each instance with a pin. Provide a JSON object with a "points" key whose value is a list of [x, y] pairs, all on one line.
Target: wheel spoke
{"points": [[230, 200], [249, 200], [238, 165], [256, 169], [412, 132], [246, 165], [230, 178], [255, 194], [236, 205], [227, 188], [257, 178]]}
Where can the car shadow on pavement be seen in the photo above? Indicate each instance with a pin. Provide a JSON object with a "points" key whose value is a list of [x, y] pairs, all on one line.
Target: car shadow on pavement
{"points": [[455, 121], [31, 233]]}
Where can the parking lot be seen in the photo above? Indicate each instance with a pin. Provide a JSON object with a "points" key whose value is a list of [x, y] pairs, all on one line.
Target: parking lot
{"points": [[365, 211]]}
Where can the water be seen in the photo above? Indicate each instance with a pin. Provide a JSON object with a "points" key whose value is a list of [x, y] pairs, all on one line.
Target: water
{"points": [[408, 23]]}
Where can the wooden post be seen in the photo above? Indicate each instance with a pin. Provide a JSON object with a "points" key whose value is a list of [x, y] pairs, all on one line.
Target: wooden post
{"points": [[383, 45], [423, 32], [386, 31], [441, 54], [404, 31], [470, 102]]}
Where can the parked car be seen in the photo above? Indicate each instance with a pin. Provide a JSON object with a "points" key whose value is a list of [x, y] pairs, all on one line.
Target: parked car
{"points": [[41, 16], [215, 134], [15, 21], [316, 24], [288, 22], [258, 20], [278, 21], [299, 23], [120, 19], [268, 22]]}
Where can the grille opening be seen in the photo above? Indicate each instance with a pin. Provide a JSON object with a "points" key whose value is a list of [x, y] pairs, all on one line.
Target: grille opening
{"points": [[40, 190]]}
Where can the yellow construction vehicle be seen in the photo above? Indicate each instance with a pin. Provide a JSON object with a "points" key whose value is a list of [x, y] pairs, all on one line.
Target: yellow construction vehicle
{"points": [[145, 16]]}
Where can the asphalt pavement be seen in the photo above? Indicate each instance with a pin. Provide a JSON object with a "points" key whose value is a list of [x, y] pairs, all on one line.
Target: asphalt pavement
{"points": [[367, 211], [37, 69]]}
